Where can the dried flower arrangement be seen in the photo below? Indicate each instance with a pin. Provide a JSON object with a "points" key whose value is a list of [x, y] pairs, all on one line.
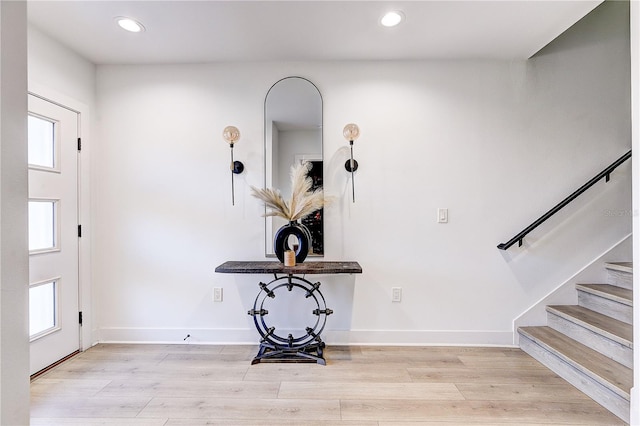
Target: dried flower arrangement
{"points": [[303, 201]]}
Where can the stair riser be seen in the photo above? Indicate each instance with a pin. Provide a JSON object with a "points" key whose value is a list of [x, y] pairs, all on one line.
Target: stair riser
{"points": [[608, 307], [602, 344], [583, 382], [620, 279]]}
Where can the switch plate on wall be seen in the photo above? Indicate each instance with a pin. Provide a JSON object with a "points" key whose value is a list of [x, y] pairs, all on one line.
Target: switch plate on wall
{"points": [[217, 294], [396, 294], [443, 215]]}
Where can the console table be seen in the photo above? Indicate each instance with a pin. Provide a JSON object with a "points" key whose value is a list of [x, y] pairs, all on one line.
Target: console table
{"points": [[307, 346]]}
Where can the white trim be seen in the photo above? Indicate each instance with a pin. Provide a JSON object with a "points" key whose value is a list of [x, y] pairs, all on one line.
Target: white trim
{"points": [[56, 145], [331, 337], [57, 240], [635, 176], [56, 300], [43, 169]]}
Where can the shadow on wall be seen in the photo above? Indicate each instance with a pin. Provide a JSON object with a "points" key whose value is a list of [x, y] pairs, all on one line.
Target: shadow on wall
{"points": [[575, 236], [335, 169]]}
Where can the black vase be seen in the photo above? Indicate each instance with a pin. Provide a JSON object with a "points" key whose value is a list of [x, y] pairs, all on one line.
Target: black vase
{"points": [[281, 241]]}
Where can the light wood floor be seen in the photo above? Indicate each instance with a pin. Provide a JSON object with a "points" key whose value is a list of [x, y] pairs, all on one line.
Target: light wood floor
{"points": [[216, 385]]}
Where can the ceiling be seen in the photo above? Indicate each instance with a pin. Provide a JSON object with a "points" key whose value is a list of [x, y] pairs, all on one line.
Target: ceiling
{"points": [[213, 31]]}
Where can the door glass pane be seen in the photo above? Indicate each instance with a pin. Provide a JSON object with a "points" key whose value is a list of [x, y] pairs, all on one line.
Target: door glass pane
{"points": [[42, 225], [41, 143], [42, 308]]}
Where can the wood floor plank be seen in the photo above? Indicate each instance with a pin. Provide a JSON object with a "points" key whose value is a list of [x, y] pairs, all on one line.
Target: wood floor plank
{"points": [[482, 422], [608, 291], [405, 410], [156, 348], [133, 357], [55, 406], [191, 389], [84, 368], [67, 387], [128, 371], [417, 356], [484, 375], [487, 361], [397, 352], [365, 373], [228, 422], [458, 350], [201, 359], [558, 412], [520, 392], [97, 422], [608, 327], [256, 410], [239, 349], [349, 353], [356, 390], [464, 412]]}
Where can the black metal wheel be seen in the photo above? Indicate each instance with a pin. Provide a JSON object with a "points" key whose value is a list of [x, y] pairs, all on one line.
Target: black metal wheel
{"points": [[310, 334]]}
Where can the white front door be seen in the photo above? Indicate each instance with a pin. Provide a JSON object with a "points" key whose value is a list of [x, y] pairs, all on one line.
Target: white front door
{"points": [[53, 233]]}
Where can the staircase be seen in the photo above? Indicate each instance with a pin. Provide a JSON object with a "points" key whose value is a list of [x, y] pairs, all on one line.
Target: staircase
{"points": [[591, 345]]}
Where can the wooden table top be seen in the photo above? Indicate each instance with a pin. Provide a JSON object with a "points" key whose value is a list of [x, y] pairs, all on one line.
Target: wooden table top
{"points": [[275, 267]]}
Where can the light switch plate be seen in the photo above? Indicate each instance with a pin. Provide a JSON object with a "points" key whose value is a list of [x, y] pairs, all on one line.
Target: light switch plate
{"points": [[217, 294], [443, 215], [396, 294]]}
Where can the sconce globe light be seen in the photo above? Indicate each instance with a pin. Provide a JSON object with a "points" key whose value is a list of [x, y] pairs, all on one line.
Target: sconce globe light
{"points": [[231, 135], [351, 132]]}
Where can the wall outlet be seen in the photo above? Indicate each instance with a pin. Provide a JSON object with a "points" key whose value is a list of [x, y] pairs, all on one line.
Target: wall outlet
{"points": [[217, 294], [396, 294]]}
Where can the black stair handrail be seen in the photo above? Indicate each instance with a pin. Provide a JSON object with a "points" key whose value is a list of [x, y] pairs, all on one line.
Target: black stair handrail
{"points": [[603, 174]]}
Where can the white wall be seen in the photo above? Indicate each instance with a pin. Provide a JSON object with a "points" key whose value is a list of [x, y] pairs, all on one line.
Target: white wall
{"points": [[498, 143], [57, 68], [14, 266]]}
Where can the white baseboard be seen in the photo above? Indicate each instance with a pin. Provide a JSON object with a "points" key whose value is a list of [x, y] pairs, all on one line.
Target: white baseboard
{"points": [[635, 407], [177, 335], [331, 337]]}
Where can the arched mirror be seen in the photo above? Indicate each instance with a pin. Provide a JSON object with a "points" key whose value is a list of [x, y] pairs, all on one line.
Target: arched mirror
{"points": [[293, 133]]}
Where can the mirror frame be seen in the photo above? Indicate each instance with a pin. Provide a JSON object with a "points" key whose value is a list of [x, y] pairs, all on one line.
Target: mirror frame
{"points": [[268, 226]]}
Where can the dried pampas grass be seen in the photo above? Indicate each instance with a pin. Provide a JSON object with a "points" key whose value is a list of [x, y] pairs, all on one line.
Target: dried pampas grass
{"points": [[303, 201]]}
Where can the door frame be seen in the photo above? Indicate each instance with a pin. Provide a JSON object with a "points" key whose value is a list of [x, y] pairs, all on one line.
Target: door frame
{"points": [[85, 301]]}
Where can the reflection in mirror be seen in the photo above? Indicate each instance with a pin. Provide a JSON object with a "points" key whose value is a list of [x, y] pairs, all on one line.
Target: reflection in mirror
{"points": [[292, 242], [293, 133]]}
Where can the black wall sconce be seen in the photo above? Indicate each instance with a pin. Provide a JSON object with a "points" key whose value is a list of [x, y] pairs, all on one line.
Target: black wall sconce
{"points": [[231, 134], [351, 132]]}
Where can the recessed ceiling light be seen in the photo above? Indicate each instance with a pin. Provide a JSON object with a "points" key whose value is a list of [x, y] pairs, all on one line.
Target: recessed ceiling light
{"points": [[130, 24], [391, 19]]}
